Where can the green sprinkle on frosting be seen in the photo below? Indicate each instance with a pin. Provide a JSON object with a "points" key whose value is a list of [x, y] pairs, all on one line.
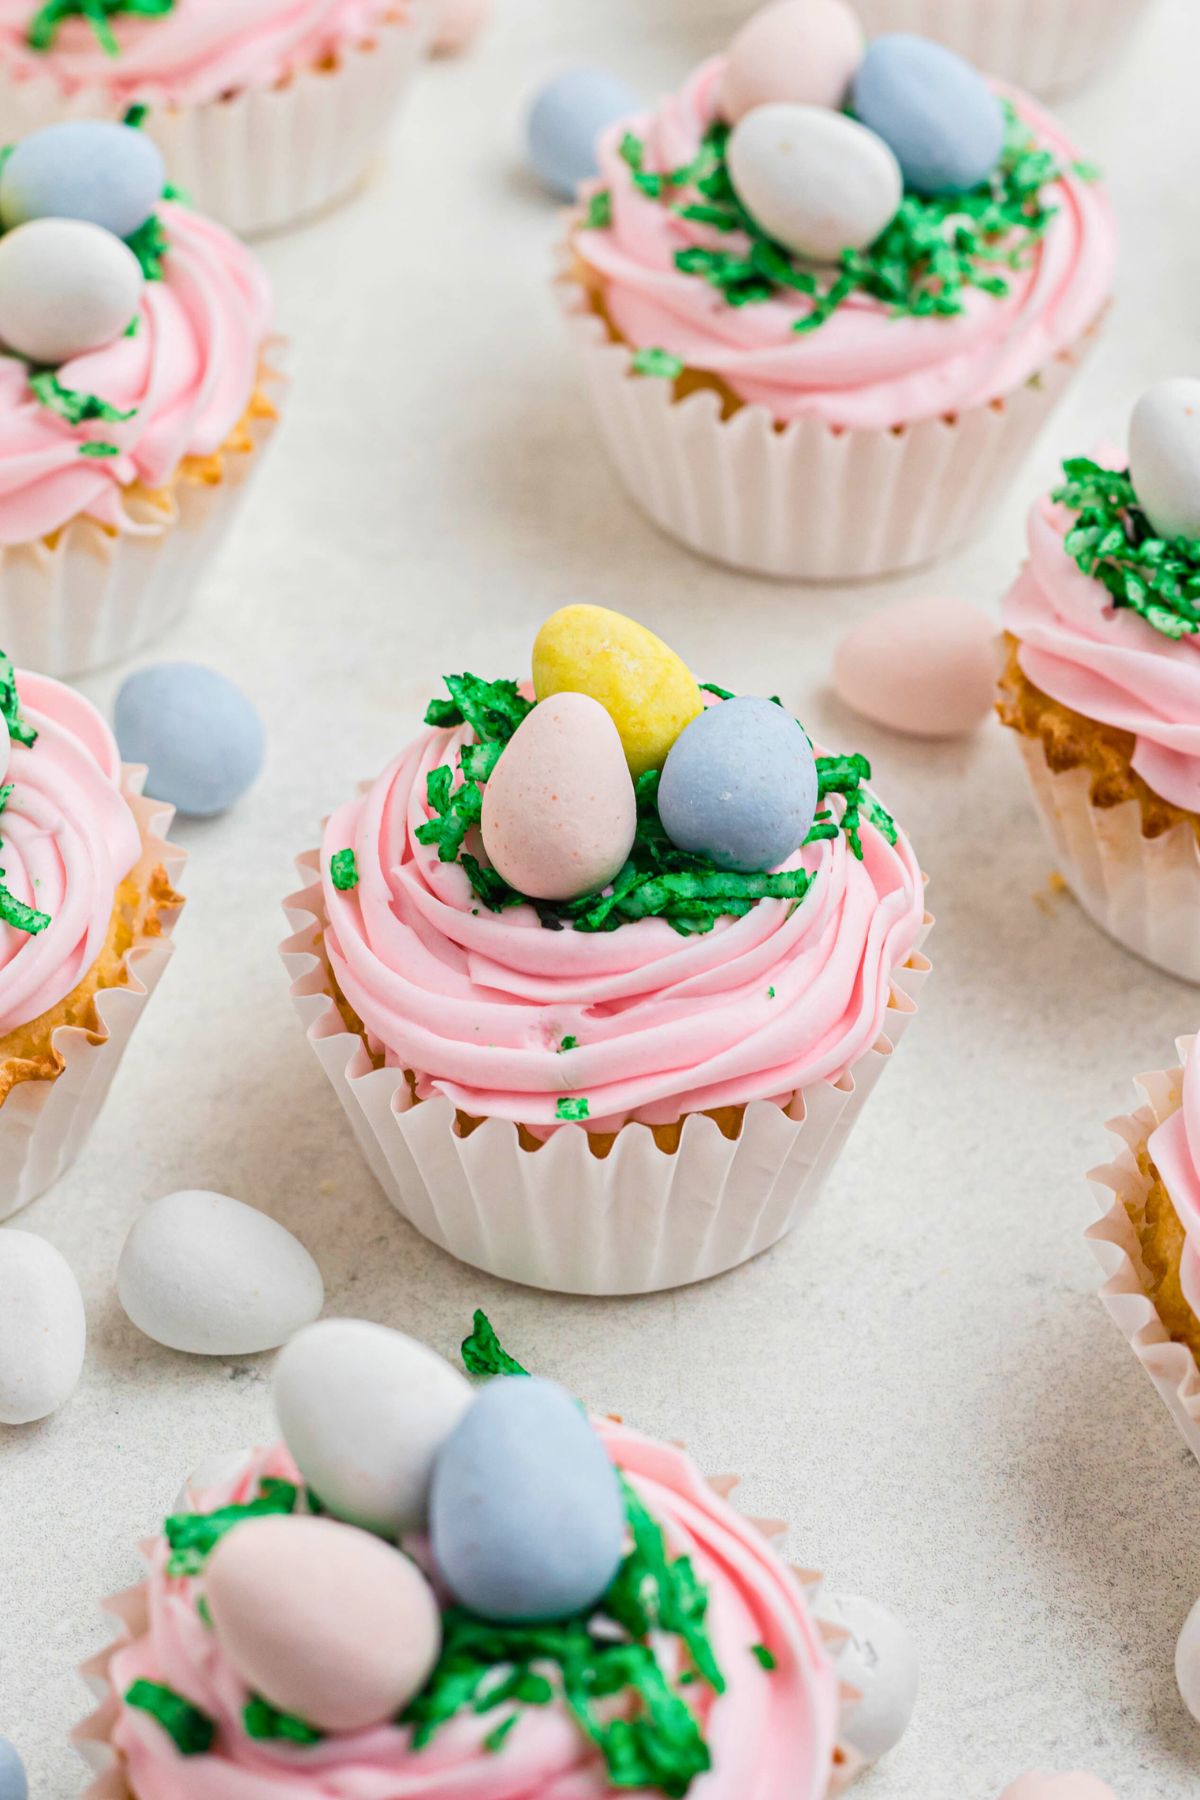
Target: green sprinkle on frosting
{"points": [[764, 1657], [267, 1723], [343, 870], [70, 404], [661, 363], [568, 1043], [1114, 543], [193, 1731], [99, 450], [193, 1537], [44, 26], [572, 1110]]}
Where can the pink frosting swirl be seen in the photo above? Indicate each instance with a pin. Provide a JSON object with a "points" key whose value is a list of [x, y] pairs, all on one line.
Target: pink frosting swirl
{"points": [[68, 840], [199, 51], [189, 372], [477, 1004], [772, 1736], [863, 368], [1106, 662], [1175, 1151]]}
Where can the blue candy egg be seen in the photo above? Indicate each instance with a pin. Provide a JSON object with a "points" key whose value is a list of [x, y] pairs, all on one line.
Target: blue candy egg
{"points": [[90, 169], [14, 1784], [740, 786], [565, 120], [937, 113], [199, 736], [527, 1520]]}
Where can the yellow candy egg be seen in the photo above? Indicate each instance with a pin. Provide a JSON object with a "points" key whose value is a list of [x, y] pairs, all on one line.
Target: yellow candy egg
{"points": [[649, 694]]}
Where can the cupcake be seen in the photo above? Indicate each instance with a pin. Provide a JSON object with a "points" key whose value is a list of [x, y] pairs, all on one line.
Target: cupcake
{"points": [[1147, 1240], [426, 1589], [134, 394], [1046, 45], [267, 111], [86, 910], [1102, 679], [603, 970], [819, 341]]}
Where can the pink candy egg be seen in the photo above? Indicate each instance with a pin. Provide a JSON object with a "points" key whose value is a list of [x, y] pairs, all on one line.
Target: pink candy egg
{"points": [[805, 51], [325, 1621], [1058, 1787], [925, 666], [559, 812], [458, 22]]}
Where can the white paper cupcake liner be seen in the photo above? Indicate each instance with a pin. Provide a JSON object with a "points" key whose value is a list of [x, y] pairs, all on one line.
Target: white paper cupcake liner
{"points": [[636, 1221], [1171, 1367], [263, 158], [1143, 891], [1045, 45], [804, 503], [44, 1124], [92, 595]]}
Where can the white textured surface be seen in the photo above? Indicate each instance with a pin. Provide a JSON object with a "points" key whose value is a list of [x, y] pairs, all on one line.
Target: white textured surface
{"points": [[921, 1378]]}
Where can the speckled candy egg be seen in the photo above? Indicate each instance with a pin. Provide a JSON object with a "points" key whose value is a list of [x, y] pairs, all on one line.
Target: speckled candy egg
{"points": [[107, 174], [14, 1783], [1058, 1787], [1187, 1663], [939, 115], [646, 690], [805, 51], [526, 1516], [879, 1660], [565, 120], [813, 179], [364, 1411], [65, 288], [200, 737], [1164, 457], [740, 786], [559, 811], [326, 1622], [925, 666], [42, 1328]]}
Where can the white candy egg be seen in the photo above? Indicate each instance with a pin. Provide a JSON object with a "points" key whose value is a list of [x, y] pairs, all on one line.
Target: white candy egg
{"points": [[1164, 457], [880, 1661], [66, 287], [1187, 1663], [816, 181], [42, 1328]]}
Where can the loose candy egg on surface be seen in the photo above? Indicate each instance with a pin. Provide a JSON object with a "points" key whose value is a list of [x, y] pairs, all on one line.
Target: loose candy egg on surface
{"points": [[1187, 1663], [109, 175], [43, 1331], [646, 690], [325, 1621], [937, 113], [740, 786], [458, 22], [880, 1662], [1058, 1787], [565, 120], [925, 666], [816, 181], [526, 1515], [364, 1411], [14, 1783], [1164, 457], [804, 51], [65, 288], [206, 1274], [559, 812], [200, 737]]}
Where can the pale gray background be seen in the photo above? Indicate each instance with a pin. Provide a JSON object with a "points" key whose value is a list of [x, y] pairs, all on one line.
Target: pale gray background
{"points": [[922, 1379]]}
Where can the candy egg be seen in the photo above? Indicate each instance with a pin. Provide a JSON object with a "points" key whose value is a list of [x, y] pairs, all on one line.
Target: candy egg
{"points": [[559, 811], [740, 786], [326, 1622], [925, 666], [200, 737], [527, 1520], [42, 1328], [1187, 1663], [110, 175], [1164, 457], [458, 22], [804, 51], [65, 288], [647, 692], [14, 1783], [565, 120], [364, 1411], [1058, 1787], [879, 1661], [816, 181], [204, 1273], [938, 114]]}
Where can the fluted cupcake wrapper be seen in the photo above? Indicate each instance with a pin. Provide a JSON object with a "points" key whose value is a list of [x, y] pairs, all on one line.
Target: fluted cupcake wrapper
{"points": [[1143, 891], [638, 1220], [1171, 1366], [263, 158], [805, 502], [1044, 45]]}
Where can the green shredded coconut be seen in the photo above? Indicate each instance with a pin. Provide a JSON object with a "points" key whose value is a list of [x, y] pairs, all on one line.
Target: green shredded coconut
{"points": [[571, 1110], [599, 211], [193, 1731], [99, 450], [135, 116], [264, 1721], [150, 245], [568, 1043], [193, 1537], [43, 27], [661, 363], [766, 1658], [14, 912], [1115, 544], [484, 1354], [203, 1613], [10, 706], [343, 870], [496, 1740], [770, 993], [70, 404]]}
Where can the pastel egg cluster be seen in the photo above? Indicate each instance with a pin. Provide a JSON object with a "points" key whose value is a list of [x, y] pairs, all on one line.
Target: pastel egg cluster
{"points": [[71, 196]]}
